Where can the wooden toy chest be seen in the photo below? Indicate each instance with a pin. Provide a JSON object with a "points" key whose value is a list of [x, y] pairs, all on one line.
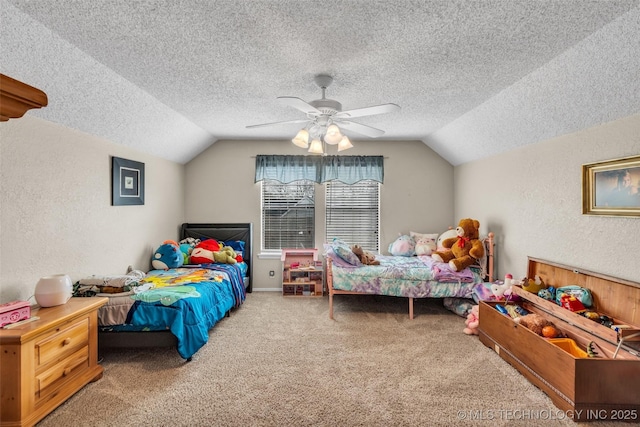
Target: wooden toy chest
{"points": [[588, 389]]}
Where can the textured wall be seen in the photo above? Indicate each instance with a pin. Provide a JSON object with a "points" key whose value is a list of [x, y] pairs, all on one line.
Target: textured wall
{"points": [[532, 198], [417, 194], [55, 206]]}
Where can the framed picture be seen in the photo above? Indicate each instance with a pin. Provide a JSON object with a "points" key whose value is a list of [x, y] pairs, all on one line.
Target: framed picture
{"points": [[127, 182], [611, 187]]}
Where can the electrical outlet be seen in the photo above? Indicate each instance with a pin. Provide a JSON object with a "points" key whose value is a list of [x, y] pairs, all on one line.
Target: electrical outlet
{"points": [[272, 274]]}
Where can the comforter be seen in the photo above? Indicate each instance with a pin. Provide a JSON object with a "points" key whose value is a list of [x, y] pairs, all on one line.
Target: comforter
{"points": [[417, 277], [188, 301]]}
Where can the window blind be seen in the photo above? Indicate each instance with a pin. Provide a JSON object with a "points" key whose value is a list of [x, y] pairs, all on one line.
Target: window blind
{"points": [[288, 215], [352, 213]]}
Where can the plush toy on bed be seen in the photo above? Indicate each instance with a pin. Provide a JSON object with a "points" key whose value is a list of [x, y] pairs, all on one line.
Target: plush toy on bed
{"points": [[186, 247], [473, 321], [464, 250], [365, 257], [203, 252], [167, 256], [424, 246], [226, 255], [404, 245]]}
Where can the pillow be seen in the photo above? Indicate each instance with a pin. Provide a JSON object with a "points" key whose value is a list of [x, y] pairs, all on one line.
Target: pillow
{"points": [[337, 261], [403, 246], [343, 251], [236, 245], [446, 235], [425, 242]]}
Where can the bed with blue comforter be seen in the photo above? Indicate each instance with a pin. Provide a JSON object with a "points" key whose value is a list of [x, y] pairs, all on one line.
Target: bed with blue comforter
{"points": [[178, 306], [188, 301]]}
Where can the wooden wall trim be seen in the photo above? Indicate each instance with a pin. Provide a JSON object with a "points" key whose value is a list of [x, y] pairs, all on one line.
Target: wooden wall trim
{"points": [[17, 97]]}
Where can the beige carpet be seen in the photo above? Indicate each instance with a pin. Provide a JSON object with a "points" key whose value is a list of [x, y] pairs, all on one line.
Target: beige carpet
{"points": [[281, 362]]}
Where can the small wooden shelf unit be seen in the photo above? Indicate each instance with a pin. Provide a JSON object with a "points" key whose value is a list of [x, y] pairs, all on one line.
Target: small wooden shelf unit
{"points": [[302, 273]]}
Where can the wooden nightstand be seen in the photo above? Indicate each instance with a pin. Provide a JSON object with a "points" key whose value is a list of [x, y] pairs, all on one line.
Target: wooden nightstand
{"points": [[46, 361]]}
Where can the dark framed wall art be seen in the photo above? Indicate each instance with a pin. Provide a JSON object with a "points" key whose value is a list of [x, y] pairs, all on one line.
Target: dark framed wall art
{"points": [[612, 187], [127, 182]]}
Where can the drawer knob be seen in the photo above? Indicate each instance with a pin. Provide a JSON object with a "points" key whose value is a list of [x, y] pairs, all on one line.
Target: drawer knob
{"points": [[66, 341], [66, 372]]}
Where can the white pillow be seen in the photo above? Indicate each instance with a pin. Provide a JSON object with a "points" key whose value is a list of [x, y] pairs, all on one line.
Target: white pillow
{"points": [[446, 235], [425, 242]]}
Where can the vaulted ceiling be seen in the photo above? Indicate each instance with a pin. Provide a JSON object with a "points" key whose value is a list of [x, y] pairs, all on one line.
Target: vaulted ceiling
{"points": [[473, 78]]}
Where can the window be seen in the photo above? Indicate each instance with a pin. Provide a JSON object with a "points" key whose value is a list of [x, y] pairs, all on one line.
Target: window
{"points": [[353, 214], [288, 199], [288, 214]]}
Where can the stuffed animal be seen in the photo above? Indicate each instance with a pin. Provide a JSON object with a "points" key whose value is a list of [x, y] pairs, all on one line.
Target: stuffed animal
{"points": [[167, 256], [465, 249], [365, 257], [424, 245], [534, 322], [226, 255], [203, 252], [186, 247], [404, 245], [473, 321], [534, 285]]}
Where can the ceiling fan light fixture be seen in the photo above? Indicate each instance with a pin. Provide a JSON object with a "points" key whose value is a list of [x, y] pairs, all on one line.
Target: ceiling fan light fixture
{"points": [[344, 144], [333, 135], [316, 147], [301, 139]]}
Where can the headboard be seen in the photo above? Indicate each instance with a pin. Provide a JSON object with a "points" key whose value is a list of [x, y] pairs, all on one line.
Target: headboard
{"points": [[240, 231]]}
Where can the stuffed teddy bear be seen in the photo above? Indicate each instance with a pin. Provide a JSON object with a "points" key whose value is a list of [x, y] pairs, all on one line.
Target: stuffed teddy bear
{"points": [[534, 322], [404, 245], [203, 252], [472, 322], [462, 251], [167, 256], [226, 255], [365, 257]]}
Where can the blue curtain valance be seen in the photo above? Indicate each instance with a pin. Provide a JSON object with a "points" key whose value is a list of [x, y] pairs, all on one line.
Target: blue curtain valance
{"points": [[347, 169]]}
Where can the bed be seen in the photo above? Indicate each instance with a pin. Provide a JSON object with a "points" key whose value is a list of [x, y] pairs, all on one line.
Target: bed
{"points": [[410, 277], [177, 307]]}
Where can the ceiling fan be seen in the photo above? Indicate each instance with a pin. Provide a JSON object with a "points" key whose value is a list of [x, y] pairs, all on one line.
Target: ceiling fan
{"points": [[324, 112]]}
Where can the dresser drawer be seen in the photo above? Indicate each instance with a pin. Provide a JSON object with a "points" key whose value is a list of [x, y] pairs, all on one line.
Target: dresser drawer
{"points": [[62, 343], [60, 372]]}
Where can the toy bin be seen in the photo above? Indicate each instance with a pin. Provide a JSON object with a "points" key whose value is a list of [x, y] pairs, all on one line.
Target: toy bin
{"points": [[570, 346]]}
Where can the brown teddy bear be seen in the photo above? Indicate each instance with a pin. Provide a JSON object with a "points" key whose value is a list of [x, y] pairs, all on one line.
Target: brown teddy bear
{"points": [[465, 249], [365, 257]]}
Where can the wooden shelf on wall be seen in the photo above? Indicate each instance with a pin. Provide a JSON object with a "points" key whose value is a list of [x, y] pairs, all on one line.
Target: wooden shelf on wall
{"points": [[17, 97]]}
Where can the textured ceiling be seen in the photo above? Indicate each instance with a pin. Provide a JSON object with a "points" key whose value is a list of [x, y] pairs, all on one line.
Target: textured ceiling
{"points": [[473, 78]]}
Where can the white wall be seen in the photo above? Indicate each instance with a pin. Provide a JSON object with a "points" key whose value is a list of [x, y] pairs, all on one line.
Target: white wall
{"points": [[417, 194], [532, 198], [55, 207]]}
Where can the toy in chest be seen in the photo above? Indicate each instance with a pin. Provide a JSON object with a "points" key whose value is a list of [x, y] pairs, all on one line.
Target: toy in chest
{"points": [[13, 312]]}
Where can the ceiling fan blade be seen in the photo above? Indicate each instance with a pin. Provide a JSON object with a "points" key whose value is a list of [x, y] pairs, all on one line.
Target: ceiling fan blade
{"points": [[361, 129], [299, 104], [368, 111], [277, 123]]}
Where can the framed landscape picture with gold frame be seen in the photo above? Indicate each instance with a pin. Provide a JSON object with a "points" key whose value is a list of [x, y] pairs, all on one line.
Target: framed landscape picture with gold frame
{"points": [[611, 187]]}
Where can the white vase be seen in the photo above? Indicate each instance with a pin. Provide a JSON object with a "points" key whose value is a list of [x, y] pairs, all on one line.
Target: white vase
{"points": [[53, 290]]}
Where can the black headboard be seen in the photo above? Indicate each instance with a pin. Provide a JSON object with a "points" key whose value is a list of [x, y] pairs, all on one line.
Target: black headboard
{"points": [[240, 231]]}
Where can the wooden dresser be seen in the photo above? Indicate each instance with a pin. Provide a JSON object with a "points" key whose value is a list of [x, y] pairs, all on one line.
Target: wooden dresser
{"points": [[588, 389], [46, 361]]}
